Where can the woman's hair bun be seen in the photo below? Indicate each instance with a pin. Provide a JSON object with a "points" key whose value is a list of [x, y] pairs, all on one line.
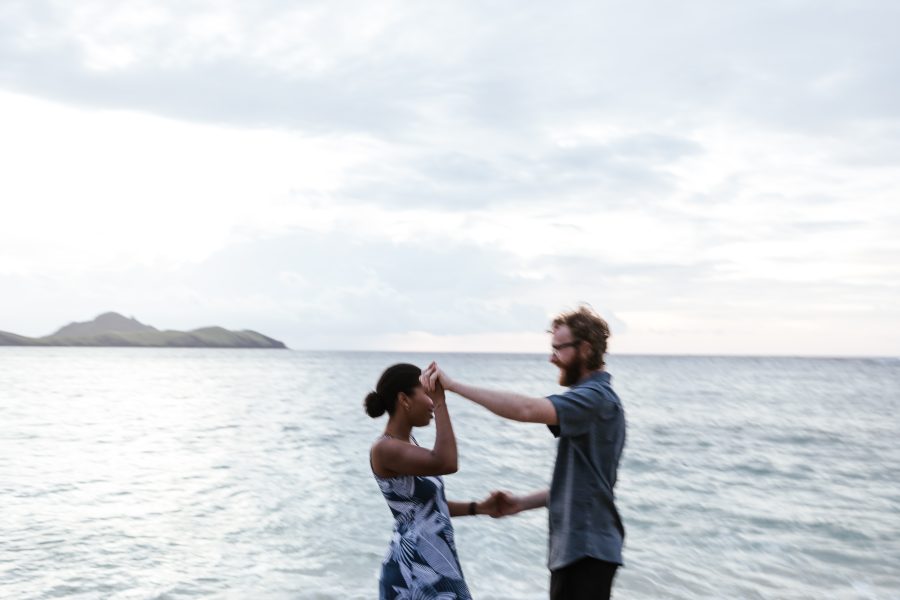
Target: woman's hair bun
{"points": [[374, 404], [397, 378]]}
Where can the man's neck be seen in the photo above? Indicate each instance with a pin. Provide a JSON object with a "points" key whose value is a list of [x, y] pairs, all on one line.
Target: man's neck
{"points": [[585, 375]]}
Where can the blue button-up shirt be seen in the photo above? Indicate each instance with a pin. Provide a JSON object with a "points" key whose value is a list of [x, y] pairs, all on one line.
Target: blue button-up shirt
{"points": [[583, 517]]}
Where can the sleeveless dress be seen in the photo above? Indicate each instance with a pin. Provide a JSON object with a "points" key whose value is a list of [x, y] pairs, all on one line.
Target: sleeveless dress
{"points": [[421, 561]]}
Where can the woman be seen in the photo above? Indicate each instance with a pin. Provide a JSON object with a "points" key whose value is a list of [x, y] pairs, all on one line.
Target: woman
{"points": [[421, 561]]}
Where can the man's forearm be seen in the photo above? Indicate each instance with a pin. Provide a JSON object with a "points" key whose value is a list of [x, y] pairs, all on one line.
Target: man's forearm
{"points": [[536, 500], [505, 404]]}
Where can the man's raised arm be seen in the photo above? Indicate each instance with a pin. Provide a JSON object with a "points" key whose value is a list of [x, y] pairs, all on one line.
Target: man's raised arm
{"points": [[509, 405]]}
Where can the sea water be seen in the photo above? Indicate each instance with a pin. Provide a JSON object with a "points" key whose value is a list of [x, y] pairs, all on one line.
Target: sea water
{"points": [[188, 473]]}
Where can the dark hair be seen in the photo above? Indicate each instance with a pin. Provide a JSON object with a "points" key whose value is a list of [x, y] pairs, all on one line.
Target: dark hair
{"points": [[586, 326], [395, 379]]}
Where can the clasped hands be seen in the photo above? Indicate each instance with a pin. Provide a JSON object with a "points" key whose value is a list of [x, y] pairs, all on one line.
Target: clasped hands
{"points": [[433, 379], [500, 504]]}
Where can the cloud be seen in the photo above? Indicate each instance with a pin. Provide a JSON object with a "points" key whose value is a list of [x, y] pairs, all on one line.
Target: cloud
{"points": [[613, 172], [399, 69], [173, 60]]}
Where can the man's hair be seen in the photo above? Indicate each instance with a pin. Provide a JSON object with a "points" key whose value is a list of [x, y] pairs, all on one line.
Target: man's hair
{"points": [[587, 326]]}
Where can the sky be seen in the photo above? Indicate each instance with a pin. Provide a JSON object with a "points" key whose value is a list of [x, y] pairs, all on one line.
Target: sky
{"points": [[712, 178]]}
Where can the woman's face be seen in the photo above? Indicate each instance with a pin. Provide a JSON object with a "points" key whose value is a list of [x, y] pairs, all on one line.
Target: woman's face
{"points": [[421, 407]]}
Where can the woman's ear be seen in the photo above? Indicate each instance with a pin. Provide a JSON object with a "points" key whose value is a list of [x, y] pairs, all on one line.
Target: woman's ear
{"points": [[403, 400]]}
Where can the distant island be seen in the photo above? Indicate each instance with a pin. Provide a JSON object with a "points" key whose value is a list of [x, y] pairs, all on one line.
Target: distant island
{"points": [[113, 329]]}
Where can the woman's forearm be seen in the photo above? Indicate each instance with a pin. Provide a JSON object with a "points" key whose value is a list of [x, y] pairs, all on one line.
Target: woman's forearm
{"points": [[445, 441], [461, 509]]}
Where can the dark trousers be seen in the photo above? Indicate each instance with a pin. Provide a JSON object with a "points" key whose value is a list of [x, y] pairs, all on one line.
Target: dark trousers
{"points": [[585, 579]]}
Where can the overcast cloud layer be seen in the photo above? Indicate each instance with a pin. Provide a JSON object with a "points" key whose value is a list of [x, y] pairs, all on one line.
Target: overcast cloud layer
{"points": [[713, 178]]}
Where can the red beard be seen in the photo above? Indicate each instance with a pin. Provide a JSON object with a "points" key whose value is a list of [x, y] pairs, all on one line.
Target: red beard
{"points": [[570, 374]]}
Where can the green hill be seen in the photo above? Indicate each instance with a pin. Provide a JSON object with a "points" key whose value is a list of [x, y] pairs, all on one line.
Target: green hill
{"points": [[112, 329]]}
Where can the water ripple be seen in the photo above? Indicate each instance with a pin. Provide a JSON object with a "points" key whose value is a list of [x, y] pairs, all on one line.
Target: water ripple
{"points": [[169, 474]]}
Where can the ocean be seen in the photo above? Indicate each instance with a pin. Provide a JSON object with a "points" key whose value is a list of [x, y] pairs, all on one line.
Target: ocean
{"points": [[189, 473]]}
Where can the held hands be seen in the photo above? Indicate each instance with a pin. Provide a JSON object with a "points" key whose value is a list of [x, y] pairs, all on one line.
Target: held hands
{"points": [[500, 504], [434, 390], [433, 377], [508, 503]]}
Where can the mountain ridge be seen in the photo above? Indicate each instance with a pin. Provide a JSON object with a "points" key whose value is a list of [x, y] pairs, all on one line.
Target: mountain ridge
{"points": [[112, 329], [107, 322]]}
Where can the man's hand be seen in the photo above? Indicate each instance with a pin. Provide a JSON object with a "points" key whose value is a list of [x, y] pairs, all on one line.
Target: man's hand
{"points": [[433, 377], [507, 503]]}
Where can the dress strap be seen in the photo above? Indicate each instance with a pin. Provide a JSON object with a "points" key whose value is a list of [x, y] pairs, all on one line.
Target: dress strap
{"points": [[411, 438]]}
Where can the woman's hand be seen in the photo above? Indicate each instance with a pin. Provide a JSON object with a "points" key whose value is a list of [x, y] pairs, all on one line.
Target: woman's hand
{"points": [[489, 506], [434, 390], [437, 394]]}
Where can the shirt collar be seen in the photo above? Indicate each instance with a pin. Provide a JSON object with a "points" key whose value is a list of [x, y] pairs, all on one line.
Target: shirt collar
{"points": [[601, 376]]}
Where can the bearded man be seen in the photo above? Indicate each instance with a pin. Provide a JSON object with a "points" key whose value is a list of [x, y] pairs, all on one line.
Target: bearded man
{"points": [[586, 533]]}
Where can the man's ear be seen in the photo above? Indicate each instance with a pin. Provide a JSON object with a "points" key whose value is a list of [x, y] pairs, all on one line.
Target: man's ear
{"points": [[585, 349]]}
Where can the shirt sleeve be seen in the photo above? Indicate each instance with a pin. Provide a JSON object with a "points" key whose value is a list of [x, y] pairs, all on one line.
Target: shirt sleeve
{"points": [[577, 408]]}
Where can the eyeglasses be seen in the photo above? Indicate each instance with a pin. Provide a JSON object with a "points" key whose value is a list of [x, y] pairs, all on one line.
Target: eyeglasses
{"points": [[558, 347]]}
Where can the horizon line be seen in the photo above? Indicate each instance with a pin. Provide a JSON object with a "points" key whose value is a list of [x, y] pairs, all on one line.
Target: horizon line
{"points": [[484, 352], [608, 354]]}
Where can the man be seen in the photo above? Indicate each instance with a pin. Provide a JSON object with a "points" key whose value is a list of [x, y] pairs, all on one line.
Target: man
{"points": [[586, 533]]}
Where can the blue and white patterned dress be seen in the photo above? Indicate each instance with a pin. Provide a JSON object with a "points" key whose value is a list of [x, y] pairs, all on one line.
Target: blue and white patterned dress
{"points": [[421, 562]]}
